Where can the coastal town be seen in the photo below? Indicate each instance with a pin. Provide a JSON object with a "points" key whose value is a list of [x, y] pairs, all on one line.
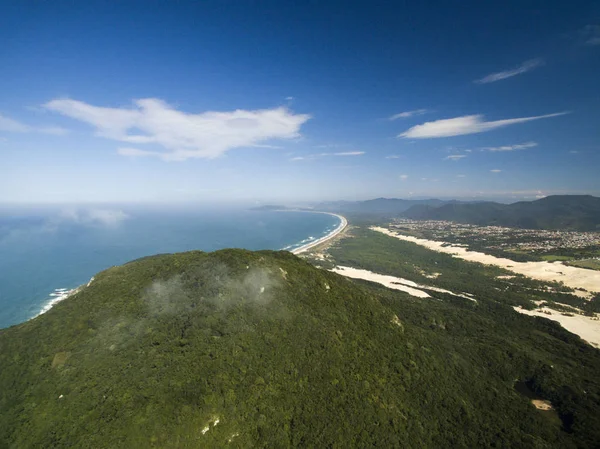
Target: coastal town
{"points": [[497, 237]]}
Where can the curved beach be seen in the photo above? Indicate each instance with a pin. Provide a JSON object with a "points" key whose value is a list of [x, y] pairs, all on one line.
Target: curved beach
{"points": [[336, 231]]}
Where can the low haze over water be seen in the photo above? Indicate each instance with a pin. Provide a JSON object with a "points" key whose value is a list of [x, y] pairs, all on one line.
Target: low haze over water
{"points": [[62, 248]]}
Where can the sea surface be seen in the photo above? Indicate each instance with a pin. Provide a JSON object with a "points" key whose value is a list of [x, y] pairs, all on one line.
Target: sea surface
{"points": [[45, 252]]}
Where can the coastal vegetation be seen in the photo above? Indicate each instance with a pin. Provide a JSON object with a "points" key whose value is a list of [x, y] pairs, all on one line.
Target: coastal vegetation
{"points": [[262, 349]]}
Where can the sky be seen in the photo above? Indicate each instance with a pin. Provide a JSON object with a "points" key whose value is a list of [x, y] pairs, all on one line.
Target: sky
{"points": [[274, 101]]}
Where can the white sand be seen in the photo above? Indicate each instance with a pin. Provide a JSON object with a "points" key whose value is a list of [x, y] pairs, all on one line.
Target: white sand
{"points": [[387, 281], [586, 327], [396, 283], [332, 234], [545, 271]]}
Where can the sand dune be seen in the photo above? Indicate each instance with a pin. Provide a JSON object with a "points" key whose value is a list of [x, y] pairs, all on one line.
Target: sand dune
{"points": [[545, 271]]}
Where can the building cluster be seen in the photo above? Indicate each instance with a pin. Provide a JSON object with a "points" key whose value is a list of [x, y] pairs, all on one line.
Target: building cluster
{"points": [[498, 237]]}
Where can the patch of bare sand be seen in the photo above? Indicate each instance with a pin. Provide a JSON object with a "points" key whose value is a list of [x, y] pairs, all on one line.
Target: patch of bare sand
{"points": [[588, 328], [544, 271], [396, 283], [541, 404]]}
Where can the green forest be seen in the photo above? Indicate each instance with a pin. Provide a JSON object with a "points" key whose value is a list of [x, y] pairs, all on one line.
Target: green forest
{"points": [[262, 349]]}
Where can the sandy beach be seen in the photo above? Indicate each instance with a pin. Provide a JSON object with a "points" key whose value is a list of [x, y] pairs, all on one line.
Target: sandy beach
{"points": [[336, 231], [572, 277]]}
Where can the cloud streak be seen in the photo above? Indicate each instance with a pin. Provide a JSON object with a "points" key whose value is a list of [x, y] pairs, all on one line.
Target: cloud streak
{"points": [[467, 124], [591, 34], [315, 156], [523, 68], [10, 125], [455, 157], [522, 146], [181, 135], [408, 114]]}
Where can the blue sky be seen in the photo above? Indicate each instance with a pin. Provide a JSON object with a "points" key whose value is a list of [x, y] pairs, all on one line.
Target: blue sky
{"points": [[297, 101]]}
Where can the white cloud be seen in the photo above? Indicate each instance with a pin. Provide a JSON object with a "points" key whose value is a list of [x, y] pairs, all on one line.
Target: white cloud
{"points": [[461, 176], [315, 156], [574, 152], [206, 135], [403, 177], [522, 146], [591, 34], [467, 124], [345, 153], [523, 68], [495, 170], [10, 125], [135, 152], [393, 156], [408, 114], [94, 217], [455, 157]]}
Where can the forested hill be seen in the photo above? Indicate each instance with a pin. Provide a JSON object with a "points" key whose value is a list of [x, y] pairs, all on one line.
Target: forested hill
{"points": [[568, 212], [261, 349]]}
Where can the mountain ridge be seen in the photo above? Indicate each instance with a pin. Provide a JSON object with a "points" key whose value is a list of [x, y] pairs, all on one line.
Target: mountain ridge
{"points": [[566, 212], [237, 348]]}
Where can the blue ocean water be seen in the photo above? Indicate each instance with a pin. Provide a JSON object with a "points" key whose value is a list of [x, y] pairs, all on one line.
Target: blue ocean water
{"points": [[43, 251]]}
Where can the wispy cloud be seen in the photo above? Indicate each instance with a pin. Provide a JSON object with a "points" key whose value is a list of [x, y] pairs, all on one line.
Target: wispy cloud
{"points": [[345, 153], [522, 146], [101, 217], [495, 170], [468, 124], [523, 68], [136, 152], [461, 176], [10, 125], [403, 177], [393, 156], [408, 114], [455, 157], [182, 135], [591, 34], [315, 156]]}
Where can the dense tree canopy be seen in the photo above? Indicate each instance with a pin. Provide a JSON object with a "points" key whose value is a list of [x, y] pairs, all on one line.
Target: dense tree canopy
{"points": [[261, 349]]}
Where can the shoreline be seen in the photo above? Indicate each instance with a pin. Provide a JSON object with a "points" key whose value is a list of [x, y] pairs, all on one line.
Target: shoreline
{"points": [[61, 294], [343, 224]]}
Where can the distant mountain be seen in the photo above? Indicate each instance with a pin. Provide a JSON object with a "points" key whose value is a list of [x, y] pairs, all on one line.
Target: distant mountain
{"points": [[380, 207], [568, 212]]}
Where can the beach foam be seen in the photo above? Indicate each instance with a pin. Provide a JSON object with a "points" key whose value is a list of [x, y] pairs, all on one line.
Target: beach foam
{"points": [[314, 242], [60, 294]]}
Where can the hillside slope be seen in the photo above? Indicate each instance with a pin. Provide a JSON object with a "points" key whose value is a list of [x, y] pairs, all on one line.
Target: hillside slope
{"points": [[568, 212], [261, 349]]}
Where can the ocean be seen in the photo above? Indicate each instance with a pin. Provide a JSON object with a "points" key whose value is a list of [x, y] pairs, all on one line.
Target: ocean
{"points": [[45, 252]]}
